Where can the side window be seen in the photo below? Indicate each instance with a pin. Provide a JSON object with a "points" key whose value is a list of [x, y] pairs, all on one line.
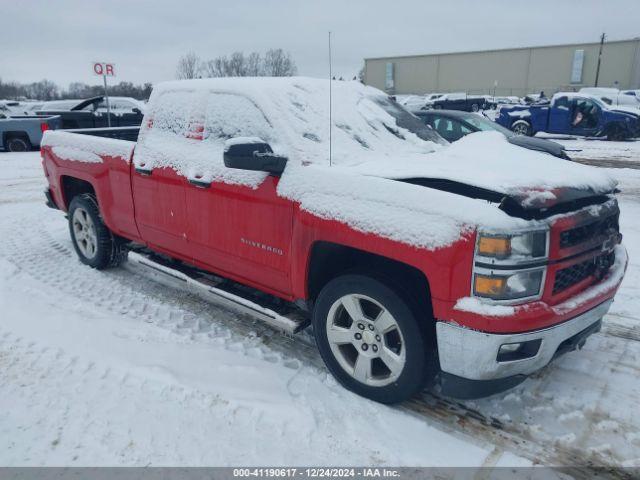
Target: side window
{"points": [[562, 102], [449, 129], [228, 116], [175, 113]]}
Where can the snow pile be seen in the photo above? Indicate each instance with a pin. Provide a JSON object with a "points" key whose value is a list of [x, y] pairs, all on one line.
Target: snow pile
{"points": [[86, 148]]}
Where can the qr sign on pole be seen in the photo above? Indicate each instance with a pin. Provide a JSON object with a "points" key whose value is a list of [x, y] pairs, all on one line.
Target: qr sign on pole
{"points": [[106, 69]]}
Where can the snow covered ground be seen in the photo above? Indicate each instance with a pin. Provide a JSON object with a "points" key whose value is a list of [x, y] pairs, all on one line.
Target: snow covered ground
{"points": [[599, 152], [110, 368]]}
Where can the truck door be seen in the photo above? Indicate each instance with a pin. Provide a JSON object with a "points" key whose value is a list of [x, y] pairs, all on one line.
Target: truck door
{"points": [[586, 117], [560, 115], [238, 226], [157, 176]]}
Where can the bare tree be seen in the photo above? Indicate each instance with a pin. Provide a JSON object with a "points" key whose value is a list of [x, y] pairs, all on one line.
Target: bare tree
{"points": [[254, 65], [188, 66], [43, 90], [236, 65], [278, 63]]}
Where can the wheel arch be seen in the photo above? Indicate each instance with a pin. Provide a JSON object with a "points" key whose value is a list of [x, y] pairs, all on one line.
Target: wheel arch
{"points": [[15, 134], [327, 260], [71, 187]]}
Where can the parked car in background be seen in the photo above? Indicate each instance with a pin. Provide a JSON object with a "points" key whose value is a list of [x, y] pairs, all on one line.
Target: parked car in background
{"points": [[633, 93], [612, 97], [571, 114], [411, 102], [10, 107], [452, 125], [92, 113], [534, 98], [24, 133], [459, 101], [418, 102], [59, 105], [30, 108]]}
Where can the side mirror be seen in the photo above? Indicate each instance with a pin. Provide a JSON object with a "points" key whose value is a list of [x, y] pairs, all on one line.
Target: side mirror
{"points": [[252, 154], [136, 110]]}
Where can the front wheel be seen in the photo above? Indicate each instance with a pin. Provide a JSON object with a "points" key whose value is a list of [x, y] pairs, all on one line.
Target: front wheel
{"points": [[616, 134], [94, 243], [475, 107], [370, 339]]}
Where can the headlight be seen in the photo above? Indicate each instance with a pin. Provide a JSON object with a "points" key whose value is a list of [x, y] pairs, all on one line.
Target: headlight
{"points": [[508, 285], [511, 248], [510, 267]]}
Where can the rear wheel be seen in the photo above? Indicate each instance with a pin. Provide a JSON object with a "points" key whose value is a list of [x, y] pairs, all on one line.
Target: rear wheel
{"points": [[475, 107], [94, 243], [521, 127], [17, 144], [370, 339]]}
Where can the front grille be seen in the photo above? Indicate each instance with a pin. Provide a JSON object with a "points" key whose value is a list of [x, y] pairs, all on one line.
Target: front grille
{"points": [[570, 276], [577, 235]]}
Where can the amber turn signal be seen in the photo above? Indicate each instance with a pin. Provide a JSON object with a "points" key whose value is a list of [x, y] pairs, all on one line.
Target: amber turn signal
{"points": [[489, 286], [494, 246]]}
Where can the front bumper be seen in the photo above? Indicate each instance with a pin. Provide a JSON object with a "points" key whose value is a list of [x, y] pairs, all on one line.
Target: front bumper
{"points": [[473, 355], [49, 199]]}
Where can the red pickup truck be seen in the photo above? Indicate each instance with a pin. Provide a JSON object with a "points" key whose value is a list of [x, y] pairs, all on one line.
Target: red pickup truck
{"points": [[472, 265]]}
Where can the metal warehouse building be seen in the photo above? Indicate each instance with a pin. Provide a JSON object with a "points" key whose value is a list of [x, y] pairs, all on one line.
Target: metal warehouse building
{"points": [[514, 71]]}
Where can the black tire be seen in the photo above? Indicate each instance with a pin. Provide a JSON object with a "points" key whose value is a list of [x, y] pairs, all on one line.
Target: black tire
{"points": [[475, 107], [616, 134], [437, 107], [109, 250], [522, 127], [17, 144], [419, 364]]}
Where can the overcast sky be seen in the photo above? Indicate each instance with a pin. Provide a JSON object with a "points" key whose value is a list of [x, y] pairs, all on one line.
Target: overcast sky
{"points": [[59, 39]]}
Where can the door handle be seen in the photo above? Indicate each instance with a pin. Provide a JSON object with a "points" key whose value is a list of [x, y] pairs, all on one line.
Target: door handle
{"points": [[199, 183], [144, 171]]}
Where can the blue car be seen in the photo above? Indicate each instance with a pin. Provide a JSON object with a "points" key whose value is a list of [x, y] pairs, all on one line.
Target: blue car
{"points": [[571, 114]]}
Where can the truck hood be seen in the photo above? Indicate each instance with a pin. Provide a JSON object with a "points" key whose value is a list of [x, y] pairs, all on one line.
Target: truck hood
{"points": [[635, 112], [485, 165]]}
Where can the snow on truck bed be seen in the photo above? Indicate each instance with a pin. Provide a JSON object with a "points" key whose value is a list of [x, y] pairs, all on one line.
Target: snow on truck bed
{"points": [[86, 148], [373, 141]]}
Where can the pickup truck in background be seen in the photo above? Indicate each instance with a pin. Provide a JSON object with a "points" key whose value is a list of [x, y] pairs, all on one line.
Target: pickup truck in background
{"points": [[613, 97], [472, 265], [459, 101], [24, 132], [571, 114], [92, 113]]}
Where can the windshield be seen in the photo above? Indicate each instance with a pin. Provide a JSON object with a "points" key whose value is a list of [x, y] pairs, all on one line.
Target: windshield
{"points": [[405, 119], [484, 124]]}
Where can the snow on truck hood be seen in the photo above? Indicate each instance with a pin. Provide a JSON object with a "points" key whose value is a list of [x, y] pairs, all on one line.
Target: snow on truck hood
{"points": [[487, 160]]}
